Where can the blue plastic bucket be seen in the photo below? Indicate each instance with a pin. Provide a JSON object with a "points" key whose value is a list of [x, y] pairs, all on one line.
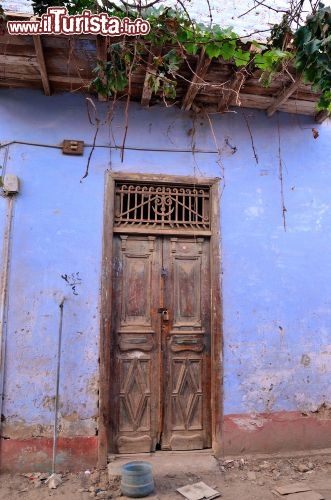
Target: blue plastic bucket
{"points": [[137, 479]]}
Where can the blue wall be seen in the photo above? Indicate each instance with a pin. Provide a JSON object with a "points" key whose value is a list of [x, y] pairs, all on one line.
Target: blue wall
{"points": [[275, 283]]}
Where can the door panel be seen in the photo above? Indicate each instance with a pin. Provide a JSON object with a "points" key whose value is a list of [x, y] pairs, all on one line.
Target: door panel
{"points": [[160, 339], [186, 340], [136, 327], [187, 290]]}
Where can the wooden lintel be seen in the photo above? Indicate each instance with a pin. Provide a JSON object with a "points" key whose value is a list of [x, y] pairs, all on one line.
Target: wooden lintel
{"points": [[41, 63], [322, 115], [150, 71], [197, 80], [230, 93], [102, 48], [283, 96]]}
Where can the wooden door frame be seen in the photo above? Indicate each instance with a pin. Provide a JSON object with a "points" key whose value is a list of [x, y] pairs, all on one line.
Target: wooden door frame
{"points": [[216, 371]]}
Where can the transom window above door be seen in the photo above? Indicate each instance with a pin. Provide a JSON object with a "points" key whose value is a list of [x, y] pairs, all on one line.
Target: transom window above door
{"points": [[162, 206]]}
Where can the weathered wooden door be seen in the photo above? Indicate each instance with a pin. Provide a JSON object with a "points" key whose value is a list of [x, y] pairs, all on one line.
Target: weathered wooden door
{"points": [[160, 343]]}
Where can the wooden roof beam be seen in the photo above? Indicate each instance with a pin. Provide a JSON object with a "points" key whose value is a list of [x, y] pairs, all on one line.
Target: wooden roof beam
{"points": [[197, 80], [231, 93], [283, 96], [41, 63]]}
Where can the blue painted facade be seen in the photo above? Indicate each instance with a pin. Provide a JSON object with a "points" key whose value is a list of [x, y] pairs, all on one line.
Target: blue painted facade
{"points": [[276, 290]]}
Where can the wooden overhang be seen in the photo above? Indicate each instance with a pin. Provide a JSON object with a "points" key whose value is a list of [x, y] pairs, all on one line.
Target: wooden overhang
{"points": [[62, 63]]}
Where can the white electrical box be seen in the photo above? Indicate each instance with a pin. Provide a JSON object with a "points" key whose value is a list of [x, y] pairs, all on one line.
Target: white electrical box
{"points": [[10, 184]]}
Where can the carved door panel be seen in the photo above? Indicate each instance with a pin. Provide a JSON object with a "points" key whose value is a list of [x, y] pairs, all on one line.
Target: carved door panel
{"points": [[135, 336], [186, 345], [160, 344]]}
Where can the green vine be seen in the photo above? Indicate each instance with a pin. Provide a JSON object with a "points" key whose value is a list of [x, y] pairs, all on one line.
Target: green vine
{"points": [[174, 36], [313, 53], [112, 75]]}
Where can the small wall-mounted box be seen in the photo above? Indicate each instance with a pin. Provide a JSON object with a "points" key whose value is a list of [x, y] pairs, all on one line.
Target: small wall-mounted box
{"points": [[72, 147], [10, 184]]}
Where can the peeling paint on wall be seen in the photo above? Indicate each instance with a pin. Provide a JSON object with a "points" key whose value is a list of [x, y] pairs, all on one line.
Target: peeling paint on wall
{"points": [[251, 423], [68, 425]]}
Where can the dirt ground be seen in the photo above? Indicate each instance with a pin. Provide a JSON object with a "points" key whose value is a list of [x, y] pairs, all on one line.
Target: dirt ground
{"points": [[236, 479]]}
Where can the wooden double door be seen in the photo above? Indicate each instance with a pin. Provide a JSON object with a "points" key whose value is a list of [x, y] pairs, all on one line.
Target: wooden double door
{"points": [[160, 344]]}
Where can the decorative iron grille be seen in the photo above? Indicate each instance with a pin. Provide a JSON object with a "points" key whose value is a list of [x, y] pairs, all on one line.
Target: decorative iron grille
{"points": [[162, 206]]}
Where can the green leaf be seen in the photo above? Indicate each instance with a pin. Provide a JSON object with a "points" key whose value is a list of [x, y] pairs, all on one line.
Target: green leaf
{"points": [[192, 48], [241, 58], [154, 83], [172, 61], [269, 60], [262, 61], [325, 101], [227, 50], [182, 36], [169, 90], [326, 41], [213, 50], [302, 36], [279, 54], [312, 46], [309, 75]]}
